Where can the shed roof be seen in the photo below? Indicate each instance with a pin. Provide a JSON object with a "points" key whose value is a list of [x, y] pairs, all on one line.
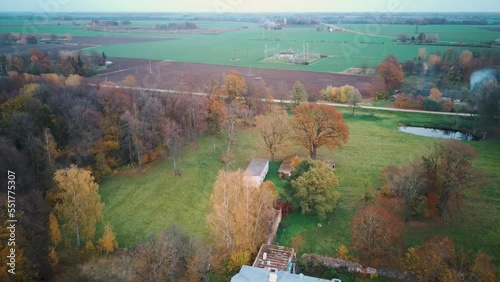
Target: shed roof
{"points": [[276, 257], [256, 167]]}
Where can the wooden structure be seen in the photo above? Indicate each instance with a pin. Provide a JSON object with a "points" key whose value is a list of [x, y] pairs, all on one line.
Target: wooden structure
{"points": [[274, 257]]}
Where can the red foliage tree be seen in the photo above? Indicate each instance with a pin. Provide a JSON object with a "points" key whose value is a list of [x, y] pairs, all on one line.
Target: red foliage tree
{"points": [[376, 236]]}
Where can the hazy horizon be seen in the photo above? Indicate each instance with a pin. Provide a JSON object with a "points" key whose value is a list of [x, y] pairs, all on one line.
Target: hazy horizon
{"points": [[252, 6]]}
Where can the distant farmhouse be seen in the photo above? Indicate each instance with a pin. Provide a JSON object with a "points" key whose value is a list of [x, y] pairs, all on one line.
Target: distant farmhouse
{"points": [[257, 171]]}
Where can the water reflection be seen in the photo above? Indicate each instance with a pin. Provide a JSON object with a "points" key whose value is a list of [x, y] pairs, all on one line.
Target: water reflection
{"points": [[436, 133]]}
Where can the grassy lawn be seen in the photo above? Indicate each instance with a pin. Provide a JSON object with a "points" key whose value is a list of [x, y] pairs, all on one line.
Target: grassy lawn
{"points": [[374, 144], [140, 203], [137, 204]]}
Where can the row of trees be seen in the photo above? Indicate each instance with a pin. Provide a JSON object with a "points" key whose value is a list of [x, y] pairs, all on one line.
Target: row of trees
{"points": [[176, 26], [62, 63]]}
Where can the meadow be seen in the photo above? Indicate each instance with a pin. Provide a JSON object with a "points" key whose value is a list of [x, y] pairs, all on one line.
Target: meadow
{"points": [[139, 203]]}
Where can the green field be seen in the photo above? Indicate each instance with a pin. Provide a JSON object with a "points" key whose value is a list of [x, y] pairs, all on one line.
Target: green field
{"points": [[449, 33], [246, 47], [139, 203]]}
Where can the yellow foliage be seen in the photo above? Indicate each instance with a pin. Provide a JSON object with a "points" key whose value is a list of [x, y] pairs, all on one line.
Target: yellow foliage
{"points": [[238, 259], [342, 253], [78, 203], [54, 260], [129, 81], [108, 241], [89, 246], [435, 94], [29, 89], [55, 233], [241, 215], [74, 80], [53, 78]]}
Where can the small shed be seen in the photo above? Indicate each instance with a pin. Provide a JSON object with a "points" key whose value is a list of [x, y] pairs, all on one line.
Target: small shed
{"points": [[257, 170], [285, 169]]}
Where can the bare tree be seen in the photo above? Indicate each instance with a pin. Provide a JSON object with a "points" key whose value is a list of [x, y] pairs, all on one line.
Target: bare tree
{"points": [[274, 129], [174, 141]]}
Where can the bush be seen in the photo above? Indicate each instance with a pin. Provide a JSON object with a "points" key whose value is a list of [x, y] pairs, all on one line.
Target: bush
{"points": [[433, 105]]}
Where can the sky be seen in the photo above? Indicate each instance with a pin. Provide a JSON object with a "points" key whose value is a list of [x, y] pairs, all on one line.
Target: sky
{"points": [[384, 6]]}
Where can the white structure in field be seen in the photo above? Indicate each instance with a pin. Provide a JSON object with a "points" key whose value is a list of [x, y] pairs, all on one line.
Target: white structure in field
{"points": [[257, 171]]}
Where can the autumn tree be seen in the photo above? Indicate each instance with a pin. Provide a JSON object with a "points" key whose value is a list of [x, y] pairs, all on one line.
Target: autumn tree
{"points": [[354, 100], [432, 261], [376, 236], [316, 125], [421, 54], [167, 256], [78, 205], [108, 241], [299, 93], [312, 188], [233, 86], [390, 72], [483, 269], [449, 172], [274, 130], [258, 97], [342, 253], [129, 81], [55, 232], [409, 184], [241, 216], [74, 80], [465, 59], [435, 94]]}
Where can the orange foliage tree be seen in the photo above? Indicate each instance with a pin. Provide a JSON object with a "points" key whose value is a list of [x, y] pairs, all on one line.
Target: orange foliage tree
{"points": [[389, 70], [376, 236], [317, 125], [435, 94]]}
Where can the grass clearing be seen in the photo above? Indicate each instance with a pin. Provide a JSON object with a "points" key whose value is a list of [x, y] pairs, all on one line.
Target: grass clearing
{"points": [[141, 203], [137, 204]]}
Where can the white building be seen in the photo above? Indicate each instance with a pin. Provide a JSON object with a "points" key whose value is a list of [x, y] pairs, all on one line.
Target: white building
{"points": [[257, 171]]}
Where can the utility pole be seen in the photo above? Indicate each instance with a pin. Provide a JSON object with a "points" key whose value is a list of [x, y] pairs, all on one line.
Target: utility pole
{"points": [[265, 52]]}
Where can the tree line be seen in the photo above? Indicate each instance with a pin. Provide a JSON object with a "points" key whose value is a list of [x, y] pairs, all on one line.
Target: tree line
{"points": [[62, 63]]}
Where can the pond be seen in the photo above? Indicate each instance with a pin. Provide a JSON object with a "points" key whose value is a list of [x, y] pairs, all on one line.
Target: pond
{"points": [[436, 133]]}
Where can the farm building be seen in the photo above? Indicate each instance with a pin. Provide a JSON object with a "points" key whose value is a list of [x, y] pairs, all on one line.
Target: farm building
{"points": [[257, 171]]}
